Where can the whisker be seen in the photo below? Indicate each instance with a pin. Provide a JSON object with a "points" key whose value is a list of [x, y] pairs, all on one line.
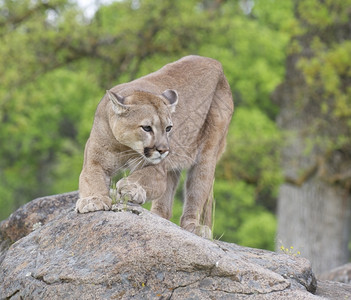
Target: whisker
{"points": [[127, 163], [144, 163], [177, 170], [172, 163], [185, 156], [127, 151], [183, 147], [133, 163], [136, 164], [128, 154]]}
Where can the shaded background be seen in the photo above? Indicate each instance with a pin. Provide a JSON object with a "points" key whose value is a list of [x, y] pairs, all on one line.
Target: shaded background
{"points": [[288, 65]]}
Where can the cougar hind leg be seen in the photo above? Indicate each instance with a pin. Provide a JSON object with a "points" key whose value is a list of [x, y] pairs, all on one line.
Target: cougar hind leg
{"points": [[197, 192], [197, 211], [207, 217], [206, 214]]}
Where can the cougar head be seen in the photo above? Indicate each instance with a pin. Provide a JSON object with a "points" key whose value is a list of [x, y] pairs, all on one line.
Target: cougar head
{"points": [[142, 121]]}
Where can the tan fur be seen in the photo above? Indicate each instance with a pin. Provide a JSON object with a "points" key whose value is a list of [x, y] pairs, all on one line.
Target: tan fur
{"points": [[194, 97]]}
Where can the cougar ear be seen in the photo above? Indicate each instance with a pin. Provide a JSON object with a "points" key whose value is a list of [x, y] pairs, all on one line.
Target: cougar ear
{"points": [[117, 101], [172, 98]]}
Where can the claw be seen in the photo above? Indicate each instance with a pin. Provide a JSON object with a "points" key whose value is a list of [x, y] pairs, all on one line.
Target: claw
{"points": [[93, 203], [130, 192]]}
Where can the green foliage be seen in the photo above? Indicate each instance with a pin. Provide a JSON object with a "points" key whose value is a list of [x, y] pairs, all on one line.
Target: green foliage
{"points": [[255, 155], [252, 76], [239, 219], [41, 140], [323, 14], [325, 64]]}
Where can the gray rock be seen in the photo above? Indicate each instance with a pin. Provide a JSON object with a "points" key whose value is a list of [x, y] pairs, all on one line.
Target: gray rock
{"points": [[339, 274], [334, 290], [40, 210], [134, 254], [33, 215]]}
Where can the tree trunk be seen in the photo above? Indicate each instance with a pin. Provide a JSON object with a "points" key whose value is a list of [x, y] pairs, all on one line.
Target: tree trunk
{"points": [[314, 219], [314, 203], [313, 211]]}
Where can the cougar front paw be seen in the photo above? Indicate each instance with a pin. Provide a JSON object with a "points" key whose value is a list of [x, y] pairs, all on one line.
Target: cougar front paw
{"points": [[130, 191], [93, 203]]}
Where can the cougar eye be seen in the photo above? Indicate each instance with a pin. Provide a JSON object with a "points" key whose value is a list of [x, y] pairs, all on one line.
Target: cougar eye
{"points": [[147, 128], [168, 128]]}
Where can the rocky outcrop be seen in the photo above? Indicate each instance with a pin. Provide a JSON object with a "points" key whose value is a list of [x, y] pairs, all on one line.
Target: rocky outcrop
{"points": [[130, 253]]}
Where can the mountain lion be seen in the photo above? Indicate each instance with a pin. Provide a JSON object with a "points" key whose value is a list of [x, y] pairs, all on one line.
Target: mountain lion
{"points": [[175, 118]]}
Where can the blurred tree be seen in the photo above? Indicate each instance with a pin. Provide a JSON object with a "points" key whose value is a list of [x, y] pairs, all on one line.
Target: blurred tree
{"points": [[58, 64], [315, 101], [34, 118]]}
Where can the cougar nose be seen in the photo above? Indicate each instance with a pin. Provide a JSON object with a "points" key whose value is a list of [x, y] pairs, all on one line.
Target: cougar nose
{"points": [[162, 149]]}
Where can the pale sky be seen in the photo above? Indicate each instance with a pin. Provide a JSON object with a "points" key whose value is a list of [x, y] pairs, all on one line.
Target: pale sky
{"points": [[90, 6]]}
